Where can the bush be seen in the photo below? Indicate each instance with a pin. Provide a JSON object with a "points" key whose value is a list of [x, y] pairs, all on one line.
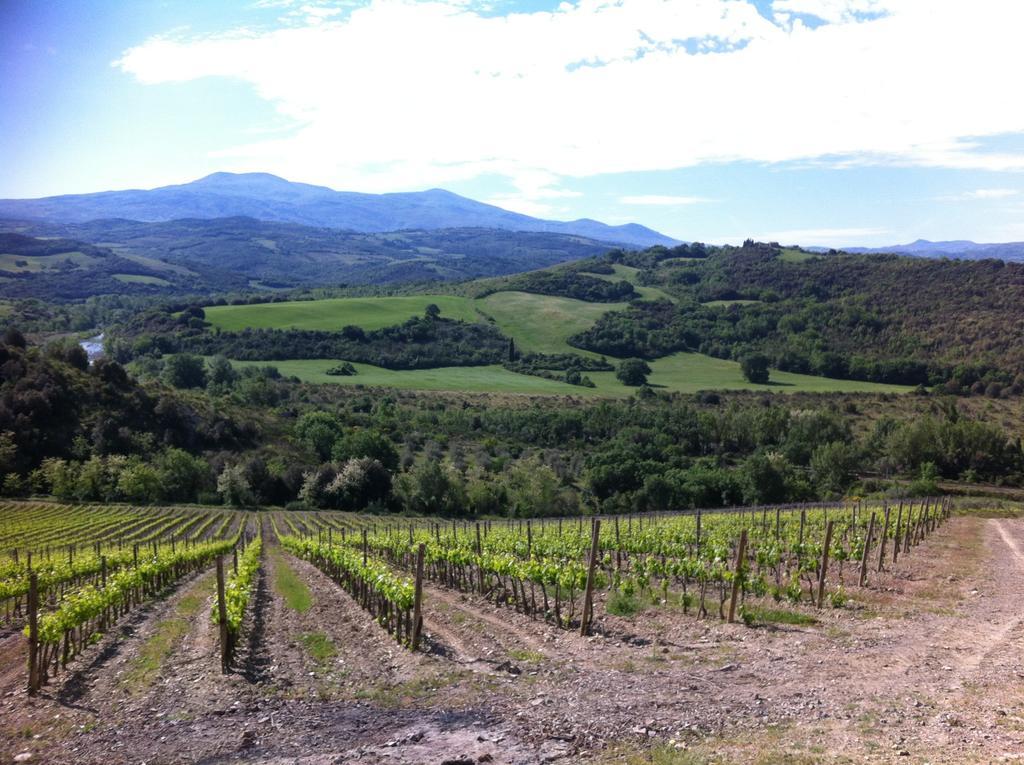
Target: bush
{"points": [[184, 370], [755, 368], [345, 369], [633, 372]]}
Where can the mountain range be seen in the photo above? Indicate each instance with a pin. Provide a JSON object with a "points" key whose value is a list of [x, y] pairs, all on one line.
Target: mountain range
{"points": [[266, 197], [960, 249]]}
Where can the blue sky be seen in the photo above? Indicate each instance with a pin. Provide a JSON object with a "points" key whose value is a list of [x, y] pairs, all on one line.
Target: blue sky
{"points": [[840, 122]]}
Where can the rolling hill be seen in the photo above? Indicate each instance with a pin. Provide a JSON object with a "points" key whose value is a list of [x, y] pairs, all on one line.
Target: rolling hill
{"points": [[269, 198], [231, 254]]}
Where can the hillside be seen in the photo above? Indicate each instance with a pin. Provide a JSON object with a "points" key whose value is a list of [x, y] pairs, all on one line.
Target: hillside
{"points": [[883, 318], [269, 198], [232, 254]]}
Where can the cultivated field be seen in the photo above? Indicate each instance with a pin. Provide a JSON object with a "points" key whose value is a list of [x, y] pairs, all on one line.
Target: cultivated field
{"points": [[892, 641]]}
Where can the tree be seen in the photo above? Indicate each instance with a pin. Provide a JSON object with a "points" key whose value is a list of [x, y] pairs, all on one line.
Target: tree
{"points": [[755, 368], [222, 374], [432, 311], [139, 482], [359, 483], [433, 488], [13, 337], [183, 370], [233, 486], [366, 443], [319, 431], [182, 475], [512, 349], [633, 372], [834, 467]]}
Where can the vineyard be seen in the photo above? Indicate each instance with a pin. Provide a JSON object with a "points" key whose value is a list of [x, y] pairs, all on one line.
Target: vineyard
{"points": [[75, 582]]}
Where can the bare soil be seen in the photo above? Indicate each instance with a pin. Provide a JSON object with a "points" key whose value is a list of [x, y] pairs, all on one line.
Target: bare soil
{"points": [[922, 665]]}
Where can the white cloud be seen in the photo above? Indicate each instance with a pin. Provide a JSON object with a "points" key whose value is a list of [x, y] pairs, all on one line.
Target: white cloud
{"points": [[405, 94], [976, 194], [991, 193], [660, 200]]}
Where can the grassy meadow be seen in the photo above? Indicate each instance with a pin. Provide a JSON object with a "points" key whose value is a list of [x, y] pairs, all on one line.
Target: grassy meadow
{"points": [[536, 323], [334, 313]]}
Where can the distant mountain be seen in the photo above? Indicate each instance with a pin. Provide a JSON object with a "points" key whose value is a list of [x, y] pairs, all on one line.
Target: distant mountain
{"points": [[269, 198], [960, 249], [76, 260]]}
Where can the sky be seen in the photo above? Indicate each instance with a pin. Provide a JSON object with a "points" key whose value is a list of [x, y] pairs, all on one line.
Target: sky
{"points": [[815, 122]]}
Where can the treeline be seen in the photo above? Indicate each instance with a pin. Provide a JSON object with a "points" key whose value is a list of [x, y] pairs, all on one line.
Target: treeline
{"points": [[568, 283], [419, 343]]}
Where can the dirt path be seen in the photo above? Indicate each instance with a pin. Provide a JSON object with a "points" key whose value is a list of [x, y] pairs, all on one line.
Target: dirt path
{"points": [[484, 637]]}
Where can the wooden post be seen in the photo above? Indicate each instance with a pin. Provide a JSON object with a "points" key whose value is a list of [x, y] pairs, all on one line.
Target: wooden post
{"points": [[803, 522], [33, 633], [234, 555], [222, 614], [417, 603], [588, 595], [697, 545], [741, 553], [366, 546], [867, 550], [529, 539], [479, 555], [824, 563], [885, 535], [897, 542]]}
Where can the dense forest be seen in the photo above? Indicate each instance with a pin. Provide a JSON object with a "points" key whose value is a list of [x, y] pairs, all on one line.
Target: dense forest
{"points": [[864, 317], [190, 430]]}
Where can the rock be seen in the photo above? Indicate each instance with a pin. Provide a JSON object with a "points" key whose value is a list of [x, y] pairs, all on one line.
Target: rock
{"points": [[23, 757]]}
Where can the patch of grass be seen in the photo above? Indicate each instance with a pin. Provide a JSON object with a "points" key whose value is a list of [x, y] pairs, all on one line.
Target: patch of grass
{"points": [[631, 275], [621, 604], [319, 646], [727, 303], [294, 591], [412, 690], [335, 313], [526, 656], [140, 279], [791, 255], [764, 615], [167, 634], [660, 753]]}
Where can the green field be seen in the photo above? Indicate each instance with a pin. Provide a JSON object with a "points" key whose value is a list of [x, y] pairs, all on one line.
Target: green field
{"points": [[335, 313], [36, 263], [542, 323], [536, 323], [679, 373], [796, 256], [629, 274], [492, 378]]}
